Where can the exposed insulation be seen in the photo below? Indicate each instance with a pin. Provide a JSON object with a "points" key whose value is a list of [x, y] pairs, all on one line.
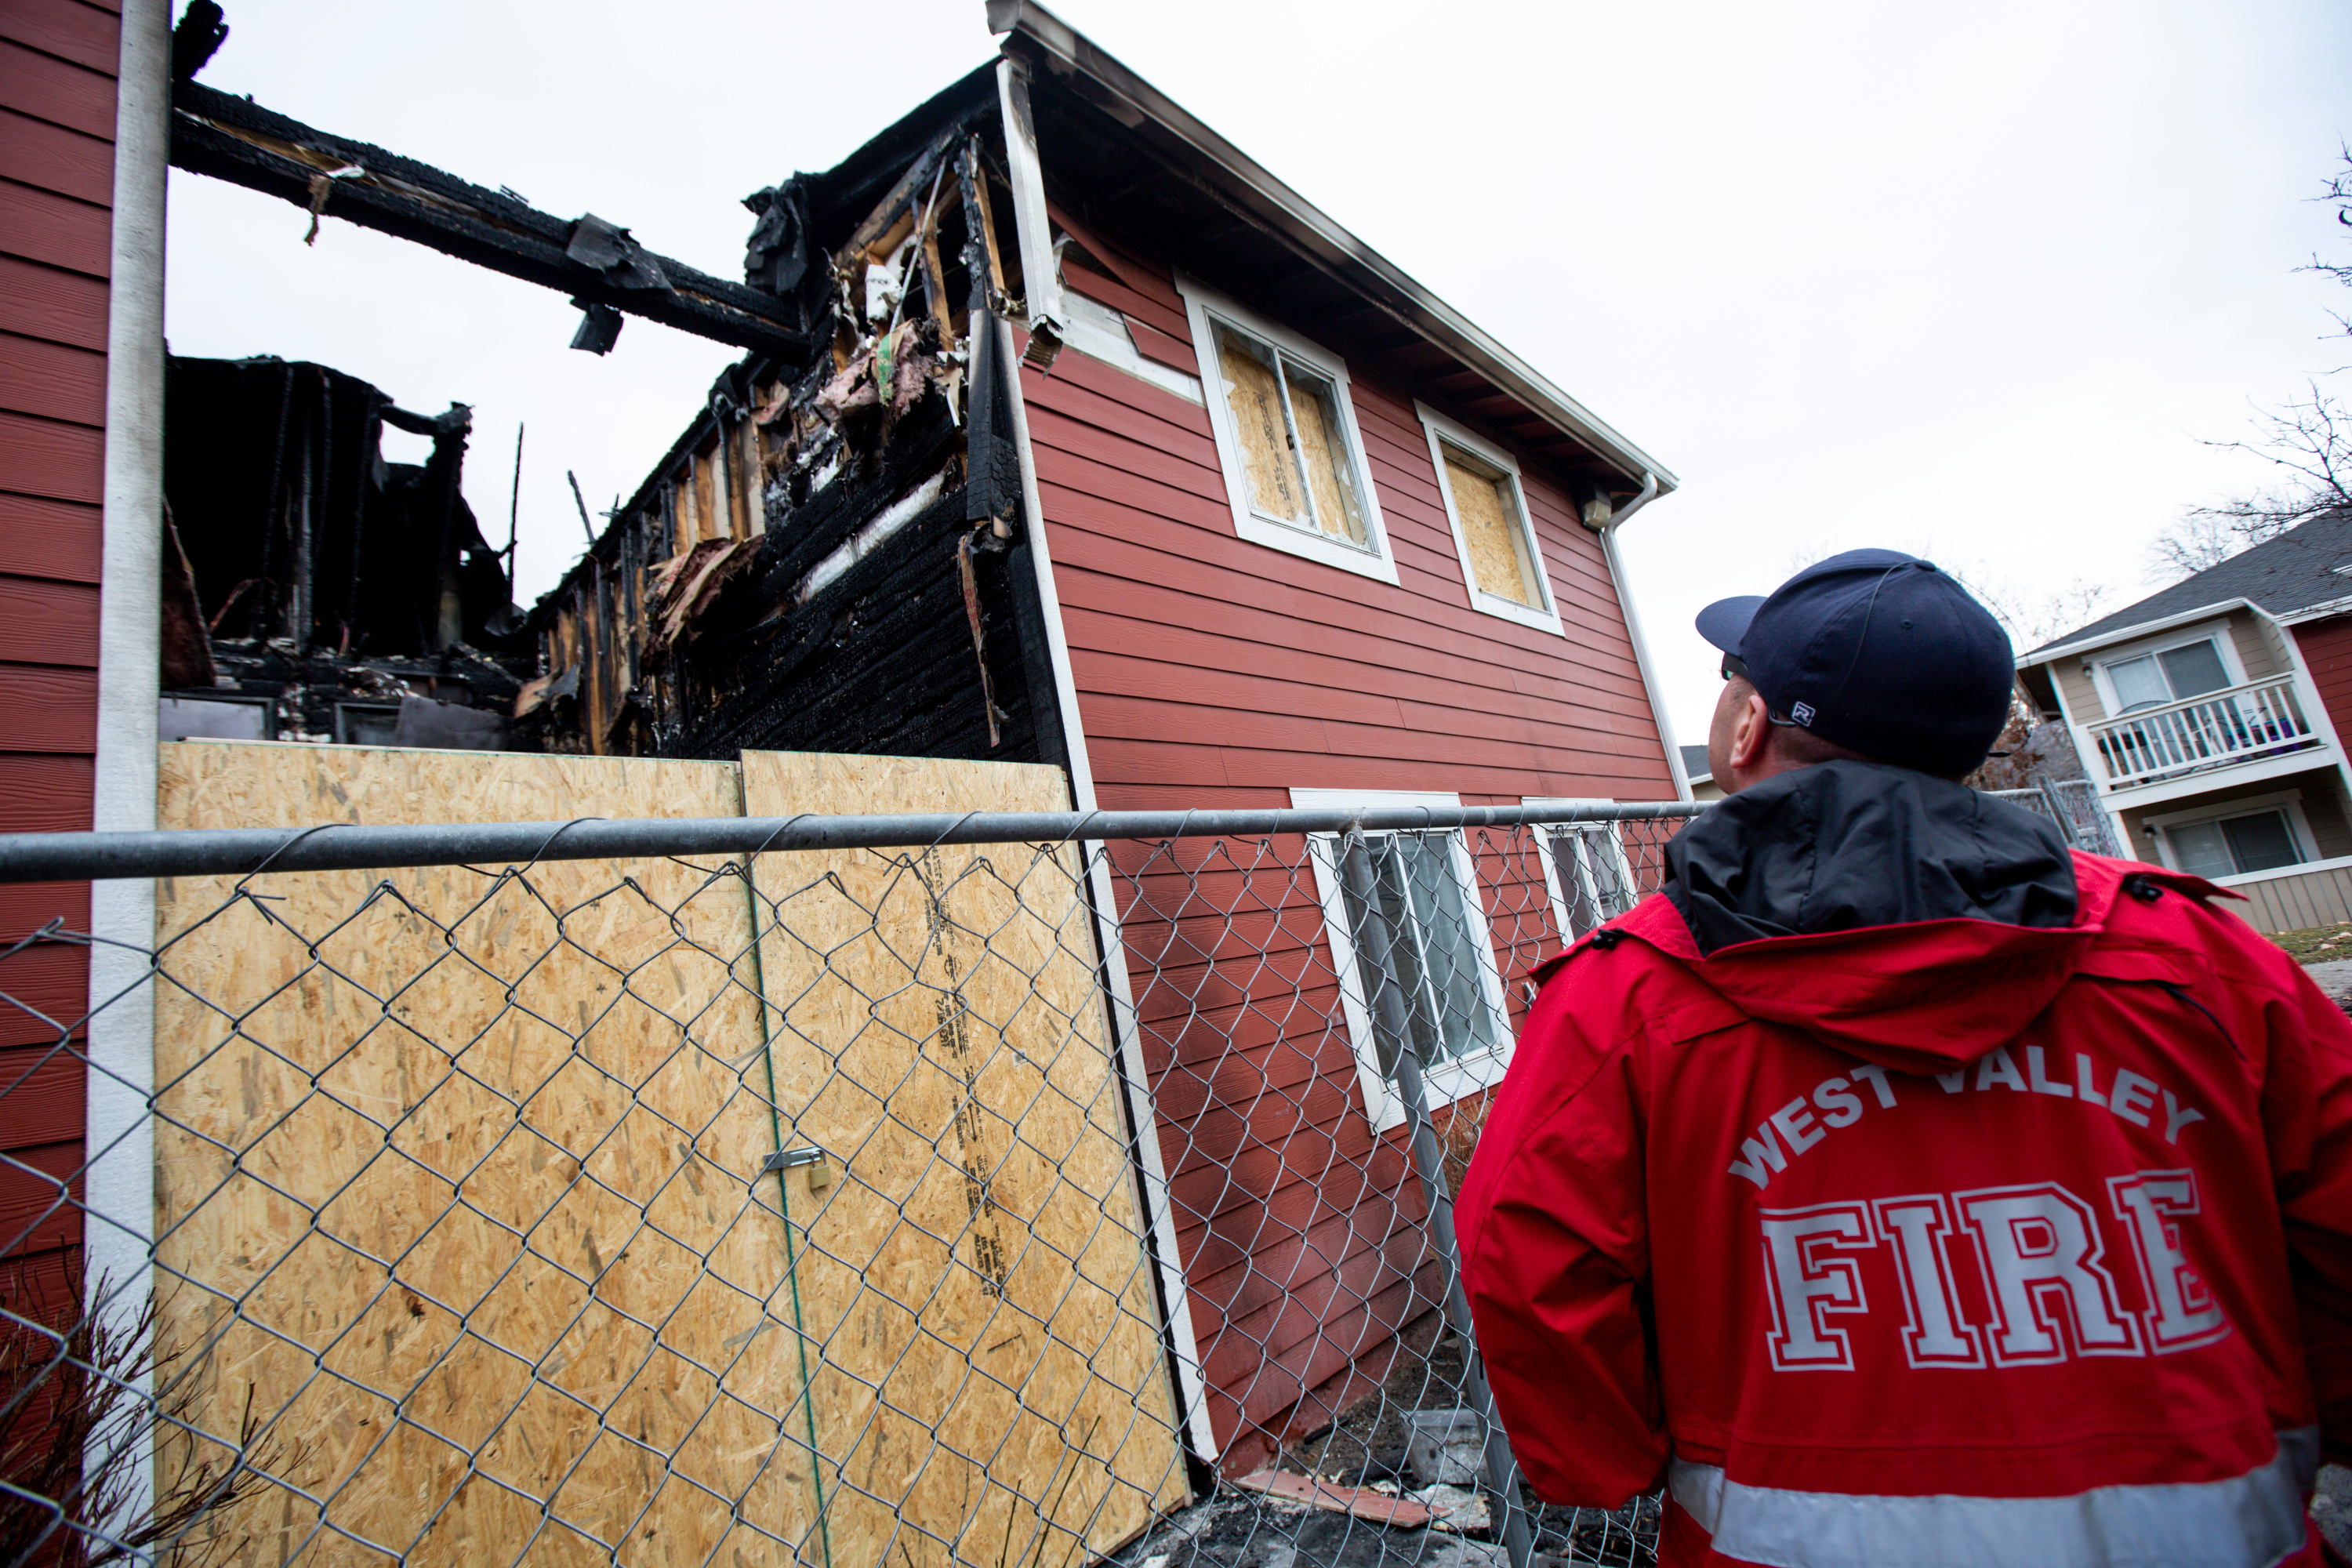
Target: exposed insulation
{"points": [[1492, 531], [974, 1272]]}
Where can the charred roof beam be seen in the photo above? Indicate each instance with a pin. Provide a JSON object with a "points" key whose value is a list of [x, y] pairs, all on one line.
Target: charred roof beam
{"points": [[233, 139]]}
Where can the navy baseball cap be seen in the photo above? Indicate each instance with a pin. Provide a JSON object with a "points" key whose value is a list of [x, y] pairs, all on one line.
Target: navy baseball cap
{"points": [[1879, 651]]}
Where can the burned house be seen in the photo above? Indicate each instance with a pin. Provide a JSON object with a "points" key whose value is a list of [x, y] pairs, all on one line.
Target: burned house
{"points": [[829, 558], [1104, 448], [314, 590]]}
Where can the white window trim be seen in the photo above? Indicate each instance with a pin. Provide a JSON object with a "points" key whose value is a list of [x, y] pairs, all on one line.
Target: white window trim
{"points": [[2289, 800], [1545, 845], [1442, 430], [2217, 631], [1201, 305], [1445, 1082]]}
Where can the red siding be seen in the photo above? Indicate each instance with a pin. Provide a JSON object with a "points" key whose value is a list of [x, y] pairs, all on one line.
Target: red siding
{"points": [[2328, 653], [1215, 672], [57, 125]]}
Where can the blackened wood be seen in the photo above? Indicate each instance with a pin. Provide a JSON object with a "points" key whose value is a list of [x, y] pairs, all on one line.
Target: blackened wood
{"points": [[230, 139]]}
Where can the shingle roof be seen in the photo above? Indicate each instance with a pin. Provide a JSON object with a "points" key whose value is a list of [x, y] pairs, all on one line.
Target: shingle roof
{"points": [[1694, 763], [2291, 572]]}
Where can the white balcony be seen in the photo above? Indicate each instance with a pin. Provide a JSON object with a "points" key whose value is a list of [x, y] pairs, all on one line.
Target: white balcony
{"points": [[2250, 723]]}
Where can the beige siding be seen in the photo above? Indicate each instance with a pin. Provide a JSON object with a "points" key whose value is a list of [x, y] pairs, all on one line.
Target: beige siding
{"points": [[2298, 902]]}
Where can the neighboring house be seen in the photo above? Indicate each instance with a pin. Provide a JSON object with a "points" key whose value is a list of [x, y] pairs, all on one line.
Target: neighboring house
{"points": [[1700, 772], [2208, 719]]}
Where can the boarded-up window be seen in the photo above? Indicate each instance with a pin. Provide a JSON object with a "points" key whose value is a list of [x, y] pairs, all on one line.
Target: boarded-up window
{"points": [[1294, 453], [1502, 565], [1492, 529]]}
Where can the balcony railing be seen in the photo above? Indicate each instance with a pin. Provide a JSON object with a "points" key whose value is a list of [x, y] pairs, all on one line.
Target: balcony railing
{"points": [[2221, 729]]}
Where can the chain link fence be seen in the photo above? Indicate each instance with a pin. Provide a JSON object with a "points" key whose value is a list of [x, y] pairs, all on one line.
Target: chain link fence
{"points": [[854, 1191], [2073, 806]]}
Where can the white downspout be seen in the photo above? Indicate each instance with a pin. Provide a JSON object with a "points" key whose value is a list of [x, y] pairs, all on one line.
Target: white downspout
{"points": [[1608, 533], [119, 1219]]}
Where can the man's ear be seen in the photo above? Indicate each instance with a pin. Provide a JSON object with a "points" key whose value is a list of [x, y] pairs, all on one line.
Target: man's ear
{"points": [[1751, 732]]}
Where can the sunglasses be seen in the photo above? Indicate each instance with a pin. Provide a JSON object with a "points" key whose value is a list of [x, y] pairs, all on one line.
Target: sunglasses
{"points": [[1732, 667]]}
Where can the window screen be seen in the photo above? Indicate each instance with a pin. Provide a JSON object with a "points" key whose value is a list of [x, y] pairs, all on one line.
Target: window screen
{"points": [[1293, 445], [1595, 882], [2194, 671], [2263, 842], [2139, 683], [1492, 531], [2235, 846], [1434, 947], [2175, 675]]}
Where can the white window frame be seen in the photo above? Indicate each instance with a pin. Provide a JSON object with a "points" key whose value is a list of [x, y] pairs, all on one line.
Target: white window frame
{"points": [[1444, 431], [1203, 306], [2215, 632], [1446, 1081], [2287, 802], [1547, 844]]}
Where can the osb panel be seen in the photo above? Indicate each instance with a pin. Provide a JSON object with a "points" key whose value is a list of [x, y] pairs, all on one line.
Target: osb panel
{"points": [[992, 1386], [458, 1181], [1255, 400], [1490, 526]]}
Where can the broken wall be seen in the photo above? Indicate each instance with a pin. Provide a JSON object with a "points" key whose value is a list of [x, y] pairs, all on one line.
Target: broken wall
{"points": [[831, 556]]}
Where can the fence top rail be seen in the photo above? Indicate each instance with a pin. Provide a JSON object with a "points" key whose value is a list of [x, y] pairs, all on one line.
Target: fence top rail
{"points": [[344, 846]]}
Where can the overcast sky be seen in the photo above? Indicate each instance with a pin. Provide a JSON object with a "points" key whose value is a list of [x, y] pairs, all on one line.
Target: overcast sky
{"points": [[1978, 281]]}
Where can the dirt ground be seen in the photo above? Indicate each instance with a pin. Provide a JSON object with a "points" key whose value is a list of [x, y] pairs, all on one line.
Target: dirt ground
{"points": [[2319, 944]]}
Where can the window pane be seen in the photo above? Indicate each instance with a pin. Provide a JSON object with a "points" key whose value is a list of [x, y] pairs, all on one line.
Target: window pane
{"points": [[2263, 842], [1323, 451], [1255, 397], [2194, 671], [1494, 531], [2201, 849], [1405, 956], [1449, 944], [1604, 863], [2139, 683]]}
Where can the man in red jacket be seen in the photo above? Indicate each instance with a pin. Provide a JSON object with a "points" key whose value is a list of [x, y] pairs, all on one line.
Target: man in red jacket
{"points": [[1900, 1187]]}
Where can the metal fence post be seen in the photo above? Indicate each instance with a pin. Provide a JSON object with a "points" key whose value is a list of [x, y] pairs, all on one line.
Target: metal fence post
{"points": [[1373, 943]]}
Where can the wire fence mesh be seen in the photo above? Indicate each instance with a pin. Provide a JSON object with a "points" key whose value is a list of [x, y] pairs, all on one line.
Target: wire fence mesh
{"points": [[989, 1202]]}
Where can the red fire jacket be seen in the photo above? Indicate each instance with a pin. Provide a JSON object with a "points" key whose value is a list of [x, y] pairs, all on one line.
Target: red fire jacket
{"points": [[1951, 1242]]}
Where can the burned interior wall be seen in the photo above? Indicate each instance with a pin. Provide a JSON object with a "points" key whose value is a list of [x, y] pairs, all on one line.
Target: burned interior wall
{"points": [[327, 586], [832, 556]]}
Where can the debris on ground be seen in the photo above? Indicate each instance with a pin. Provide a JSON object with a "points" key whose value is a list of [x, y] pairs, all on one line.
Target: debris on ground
{"points": [[1363, 1502]]}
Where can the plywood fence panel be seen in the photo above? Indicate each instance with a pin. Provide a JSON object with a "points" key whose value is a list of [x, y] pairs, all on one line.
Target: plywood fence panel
{"points": [[972, 1276], [459, 1186]]}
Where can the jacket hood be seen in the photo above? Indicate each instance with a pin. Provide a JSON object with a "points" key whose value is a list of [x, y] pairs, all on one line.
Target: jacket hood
{"points": [[1908, 920]]}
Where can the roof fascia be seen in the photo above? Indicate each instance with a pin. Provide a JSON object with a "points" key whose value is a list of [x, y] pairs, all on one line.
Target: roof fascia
{"points": [[1065, 51], [2140, 629], [2318, 612]]}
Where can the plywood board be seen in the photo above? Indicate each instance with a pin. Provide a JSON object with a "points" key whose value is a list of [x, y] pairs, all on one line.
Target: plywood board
{"points": [[458, 1179], [990, 1383], [1490, 526]]}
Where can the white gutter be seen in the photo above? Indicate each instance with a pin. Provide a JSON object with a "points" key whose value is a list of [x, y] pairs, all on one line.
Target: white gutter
{"points": [[2143, 628], [1254, 191], [119, 1193], [1607, 529]]}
